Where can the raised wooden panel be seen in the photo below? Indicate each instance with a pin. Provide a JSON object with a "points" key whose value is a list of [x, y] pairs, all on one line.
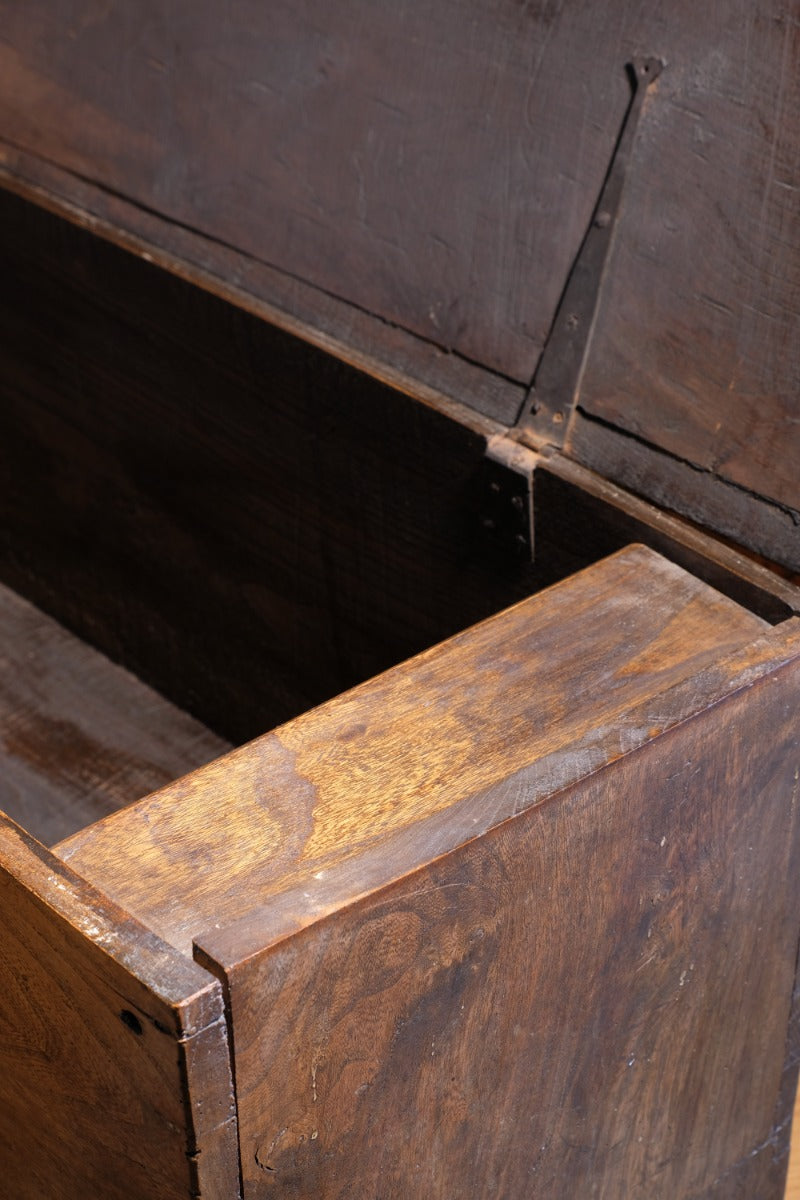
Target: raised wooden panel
{"points": [[115, 1076]]}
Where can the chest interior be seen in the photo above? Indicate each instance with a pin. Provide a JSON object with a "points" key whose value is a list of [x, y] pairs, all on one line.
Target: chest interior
{"points": [[234, 525]]}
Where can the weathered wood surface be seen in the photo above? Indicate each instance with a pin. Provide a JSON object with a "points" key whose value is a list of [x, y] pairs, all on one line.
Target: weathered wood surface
{"points": [[472, 395], [580, 516], [676, 484], [696, 346], [412, 762], [440, 173], [592, 999], [115, 1077], [80, 737], [792, 1105], [267, 526], [390, 154], [632, 734]]}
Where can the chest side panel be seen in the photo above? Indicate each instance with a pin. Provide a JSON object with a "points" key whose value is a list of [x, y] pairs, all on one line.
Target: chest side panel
{"points": [[591, 999]]}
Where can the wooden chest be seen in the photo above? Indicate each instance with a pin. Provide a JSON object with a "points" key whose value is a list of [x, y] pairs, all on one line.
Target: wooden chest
{"points": [[343, 336]]}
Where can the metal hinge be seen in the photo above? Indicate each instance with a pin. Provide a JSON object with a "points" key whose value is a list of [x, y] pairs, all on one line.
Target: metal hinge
{"points": [[556, 382], [506, 513]]}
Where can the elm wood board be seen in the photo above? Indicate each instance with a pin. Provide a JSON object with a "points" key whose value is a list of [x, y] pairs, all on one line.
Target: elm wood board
{"points": [[115, 1074], [439, 169], [267, 526], [435, 750], [79, 736], [591, 999]]}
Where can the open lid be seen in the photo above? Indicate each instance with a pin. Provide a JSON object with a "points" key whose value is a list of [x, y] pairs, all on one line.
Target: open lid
{"points": [[421, 177]]}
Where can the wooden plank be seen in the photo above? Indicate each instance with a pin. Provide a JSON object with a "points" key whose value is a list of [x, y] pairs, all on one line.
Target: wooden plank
{"points": [[694, 348], [79, 736], [477, 398], [580, 516], [592, 998], [771, 530], [412, 762], [440, 173], [115, 1076], [390, 154]]}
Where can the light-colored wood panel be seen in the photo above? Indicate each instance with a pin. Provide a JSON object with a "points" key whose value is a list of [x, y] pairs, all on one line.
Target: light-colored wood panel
{"points": [[500, 715]]}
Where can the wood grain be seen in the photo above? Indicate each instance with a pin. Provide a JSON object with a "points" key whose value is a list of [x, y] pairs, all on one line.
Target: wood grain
{"points": [[580, 516], [433, 751], [80, 737], [440, 174], [676, 484], [591, 999], [354, 127], [476, 397], [115, 1077], [703, 365]]}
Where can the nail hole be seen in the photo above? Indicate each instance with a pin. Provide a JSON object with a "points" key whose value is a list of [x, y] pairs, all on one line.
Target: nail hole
{"points": [[133, 1022]]}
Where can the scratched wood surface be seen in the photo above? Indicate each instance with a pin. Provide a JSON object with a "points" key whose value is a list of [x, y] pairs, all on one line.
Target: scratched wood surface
{"points": [[715, 388], [254, 857], [439, 169], [115, 1077], [519, 705], [80, 737], [387, 153], [592, 999]]}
